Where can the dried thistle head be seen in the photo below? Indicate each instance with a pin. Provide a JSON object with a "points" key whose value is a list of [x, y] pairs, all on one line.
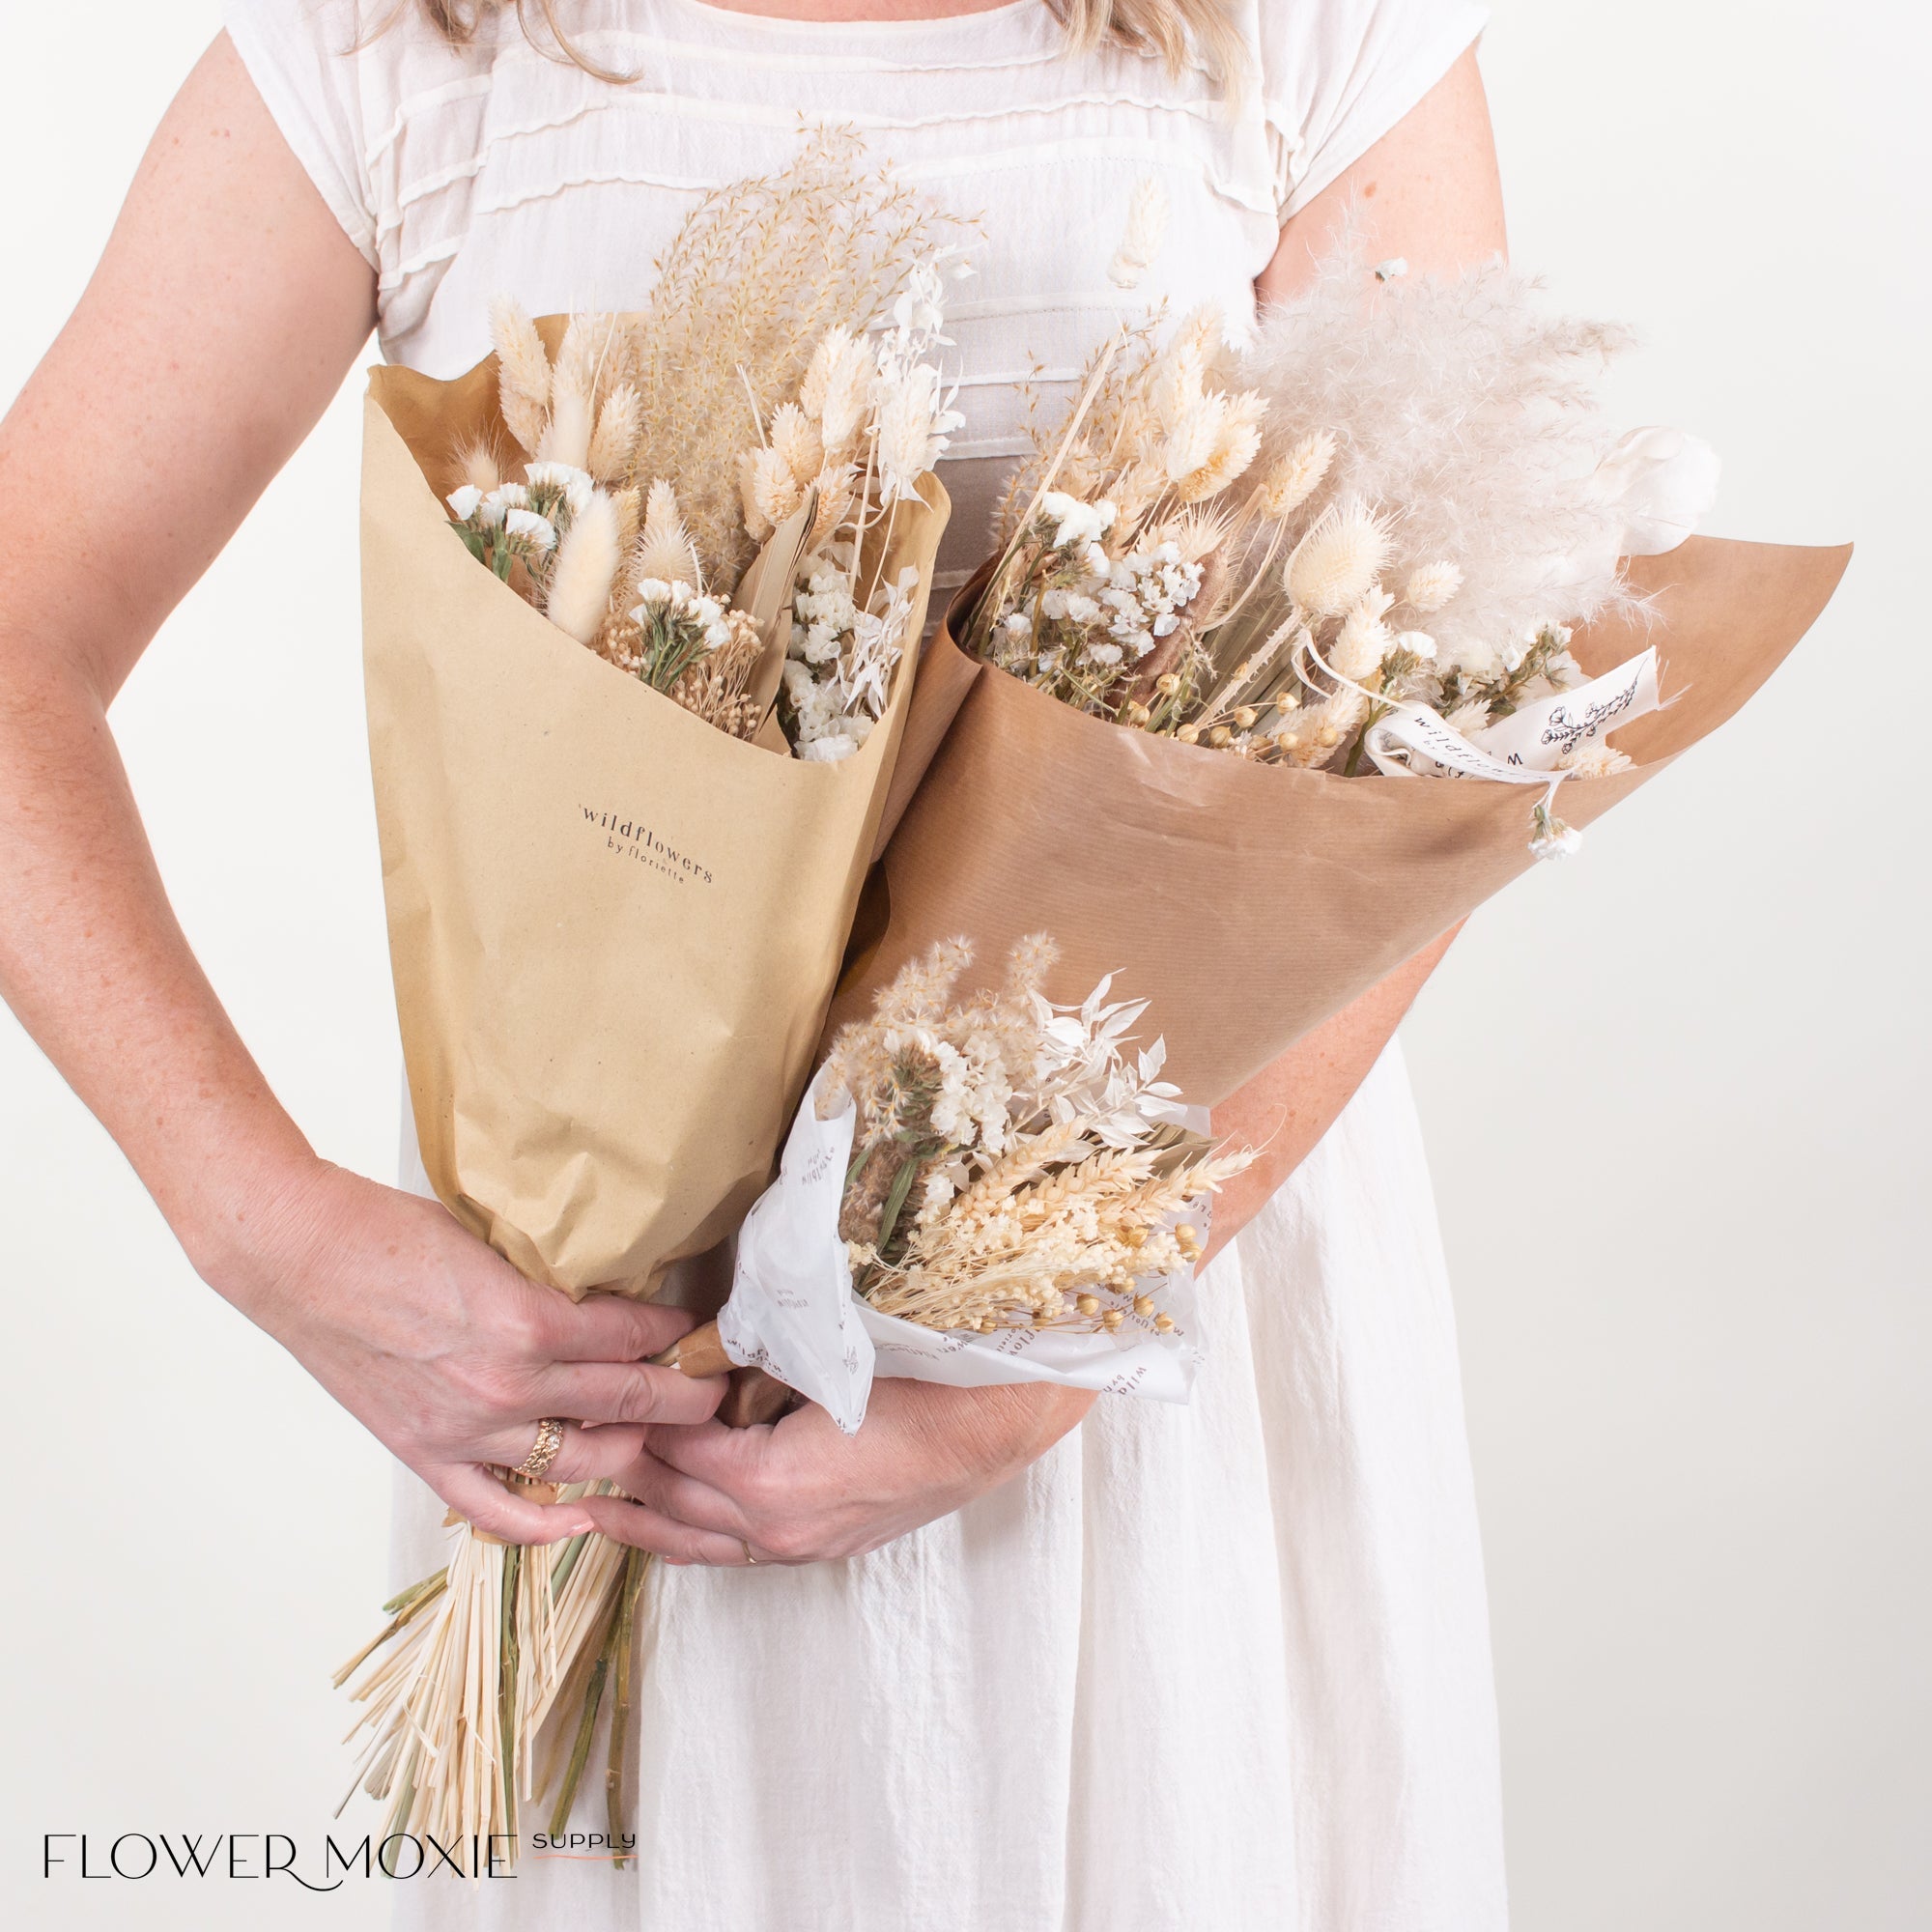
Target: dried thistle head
{"points": [[1339, 556], [665, 549]]}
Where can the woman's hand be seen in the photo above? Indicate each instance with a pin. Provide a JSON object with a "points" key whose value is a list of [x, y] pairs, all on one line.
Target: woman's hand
{"points": [[447, 1353], [799, 1491]]}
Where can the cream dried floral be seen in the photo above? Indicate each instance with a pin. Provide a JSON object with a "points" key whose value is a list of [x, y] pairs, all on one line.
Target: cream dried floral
{"points": [[1399, 494], [1014, 1165], [789, 353]]}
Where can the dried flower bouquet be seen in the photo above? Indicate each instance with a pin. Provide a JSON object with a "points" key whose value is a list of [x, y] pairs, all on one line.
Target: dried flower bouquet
{"points": [[584, 831], [1289, 550], [635, 499], [978, 1190], [1388, 537]]}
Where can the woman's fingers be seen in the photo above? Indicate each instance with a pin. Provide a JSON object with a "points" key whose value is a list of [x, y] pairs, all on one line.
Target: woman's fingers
{"points": [[737, 1461], [670, 1492], [627, 1392], [609, 1327], [646, 1528], [475, 1495], [584, 1455]]}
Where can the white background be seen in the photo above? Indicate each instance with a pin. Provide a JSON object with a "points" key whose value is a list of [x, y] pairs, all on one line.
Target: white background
{"points": [[1674, 1091]]}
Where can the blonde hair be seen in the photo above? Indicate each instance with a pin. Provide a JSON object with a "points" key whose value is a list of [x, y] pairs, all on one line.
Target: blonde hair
{"points": [[1165, 29]]}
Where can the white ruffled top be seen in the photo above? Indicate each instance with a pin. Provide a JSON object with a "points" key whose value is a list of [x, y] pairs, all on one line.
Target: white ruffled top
{"points": [[462, 174]]}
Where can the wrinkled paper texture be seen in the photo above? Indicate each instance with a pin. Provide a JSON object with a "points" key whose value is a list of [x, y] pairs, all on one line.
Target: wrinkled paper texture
{"points": [[613, 929], [1251, 902]]}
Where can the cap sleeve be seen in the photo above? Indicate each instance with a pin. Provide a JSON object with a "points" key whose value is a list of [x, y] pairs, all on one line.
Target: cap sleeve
{"points": [[1337, 75], [305, 61]]}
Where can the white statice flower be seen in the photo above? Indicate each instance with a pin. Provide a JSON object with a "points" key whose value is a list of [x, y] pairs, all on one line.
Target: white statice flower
{"points": [[825, 735], [974, 1094], [823, 616], [498, 504], [661, 602], [1418, 644], [1549, 836], [1478, 659], [841, 660], [563, 479], [1076, 524], [1146, 592], [527, 527], [465, 503]]}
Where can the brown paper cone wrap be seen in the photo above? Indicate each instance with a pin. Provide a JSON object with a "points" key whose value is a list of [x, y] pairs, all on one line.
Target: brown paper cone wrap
{"points": [[613, 929], [1250, 902]]}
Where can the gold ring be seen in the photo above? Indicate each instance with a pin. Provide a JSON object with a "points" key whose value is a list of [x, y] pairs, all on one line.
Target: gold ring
{"points": [[543, 1451], [747, 1549]]}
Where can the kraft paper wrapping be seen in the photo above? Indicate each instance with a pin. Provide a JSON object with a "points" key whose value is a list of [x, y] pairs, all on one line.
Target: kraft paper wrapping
{"points": [[1251, 902], [613, 929]]}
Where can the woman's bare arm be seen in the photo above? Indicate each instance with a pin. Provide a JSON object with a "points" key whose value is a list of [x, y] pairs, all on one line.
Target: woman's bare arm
{"points": [[1429, 193], [222, 318]]}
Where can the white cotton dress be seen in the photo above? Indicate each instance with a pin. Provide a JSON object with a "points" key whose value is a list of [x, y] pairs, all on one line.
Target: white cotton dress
{"points": [[1218, 1669]]}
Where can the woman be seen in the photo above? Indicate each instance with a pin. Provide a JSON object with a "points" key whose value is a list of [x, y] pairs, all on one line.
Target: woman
{"points": [[1221, 1668]]}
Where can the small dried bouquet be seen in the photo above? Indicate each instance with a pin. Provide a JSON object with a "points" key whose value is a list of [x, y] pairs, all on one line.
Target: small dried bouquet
{"points": [[1373, 509], [1012, 1166], [979, 1189], [757, 424]]}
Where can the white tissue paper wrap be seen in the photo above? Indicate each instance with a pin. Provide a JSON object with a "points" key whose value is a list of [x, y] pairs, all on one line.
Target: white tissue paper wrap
{"points": [[794, 1313]]}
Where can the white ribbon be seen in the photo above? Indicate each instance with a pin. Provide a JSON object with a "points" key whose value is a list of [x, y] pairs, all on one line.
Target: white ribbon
{"points": [[1520, 750], [1552, 728]]}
